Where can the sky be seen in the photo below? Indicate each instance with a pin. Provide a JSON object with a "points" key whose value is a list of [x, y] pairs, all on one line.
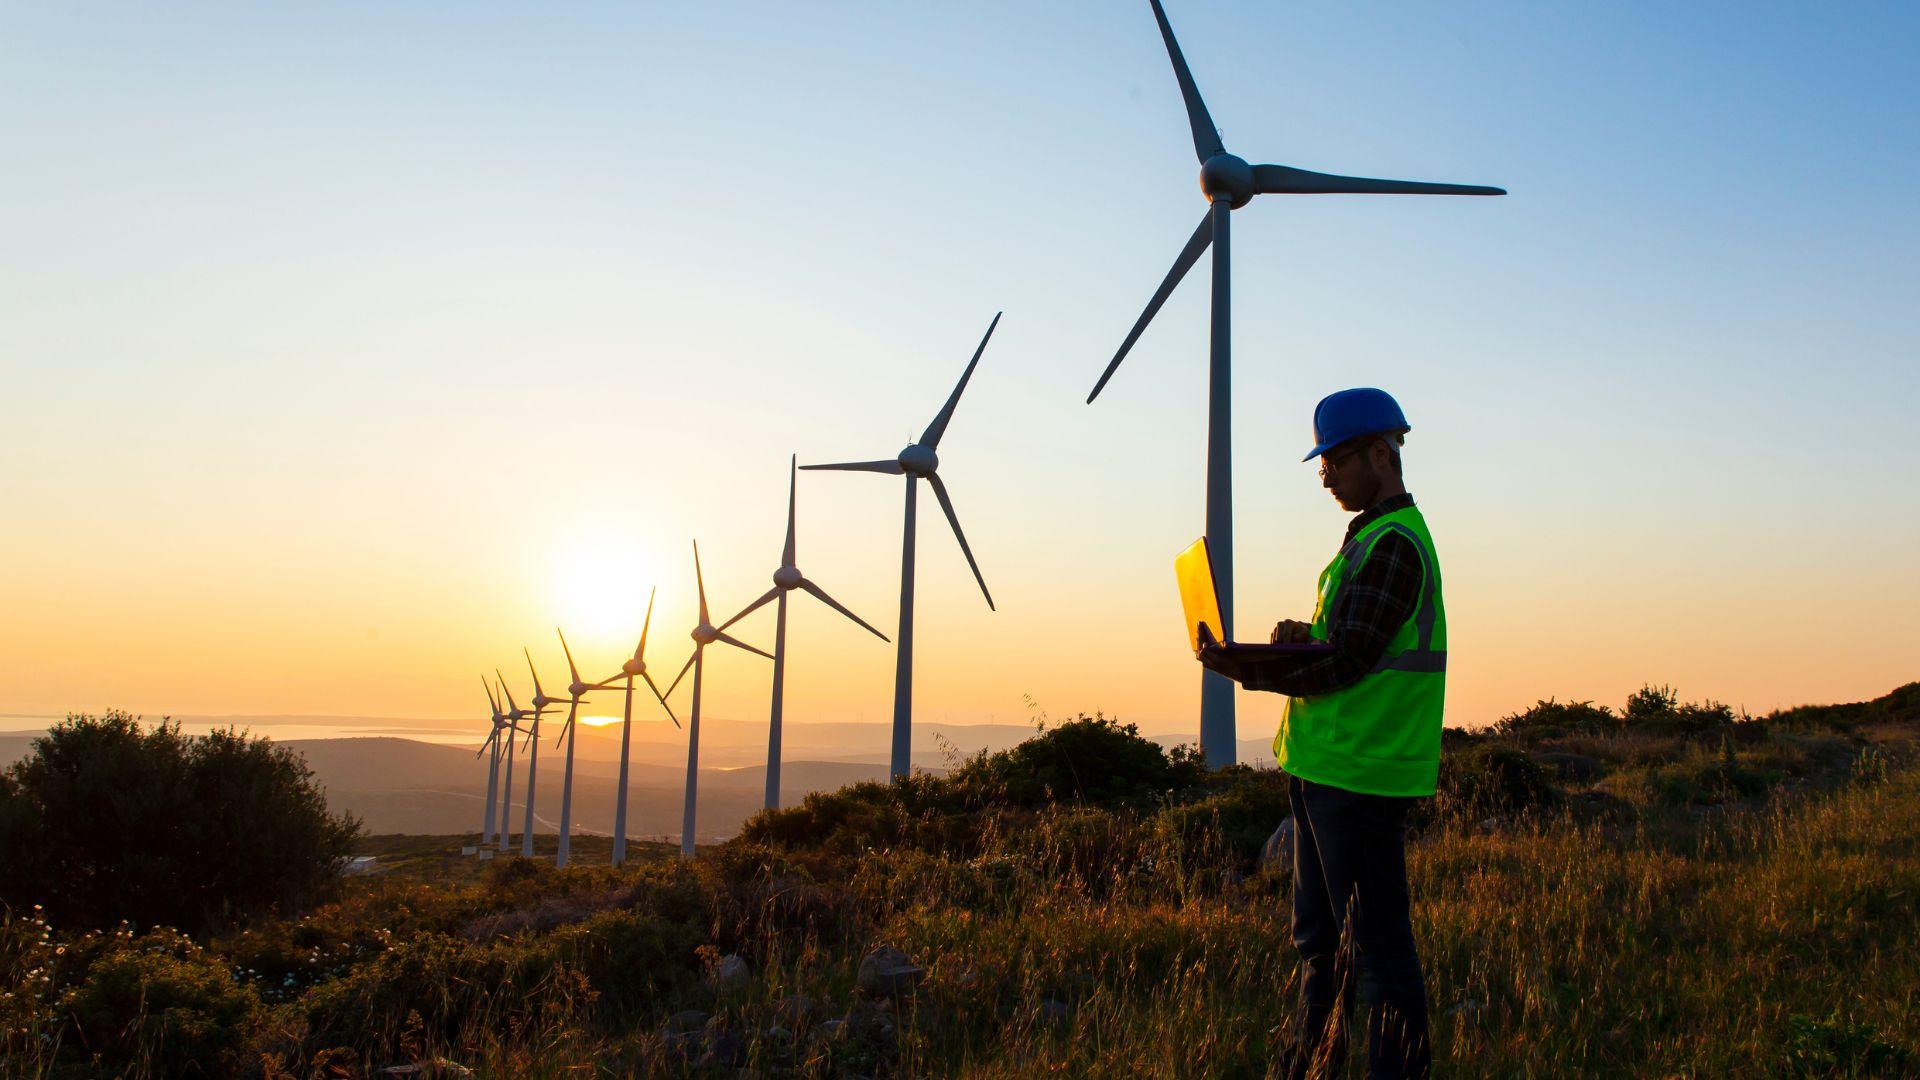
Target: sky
{"points": [[350, 348]]}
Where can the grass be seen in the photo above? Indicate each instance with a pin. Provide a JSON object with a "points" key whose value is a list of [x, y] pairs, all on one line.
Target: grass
{"points": [[1733, 898]]}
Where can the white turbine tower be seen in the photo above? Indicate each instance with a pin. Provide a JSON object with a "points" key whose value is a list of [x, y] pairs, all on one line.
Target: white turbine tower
{"points": [[786, 579], [541, 703], [515, 714], [493, 762], [918, 461], [635, 668], [704, 634], [576, 693]]}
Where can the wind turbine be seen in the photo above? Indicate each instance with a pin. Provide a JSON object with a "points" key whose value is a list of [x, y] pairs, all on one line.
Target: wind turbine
{"points": [[1229, 183], [704, 634], [786, 579], [515, 714], [630, 670], [541, 703], [918, 461], [493, 763], [576, 692]]}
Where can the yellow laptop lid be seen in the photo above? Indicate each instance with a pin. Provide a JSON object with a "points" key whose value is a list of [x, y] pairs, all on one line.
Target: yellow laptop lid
{"points": [[1194, 570]]}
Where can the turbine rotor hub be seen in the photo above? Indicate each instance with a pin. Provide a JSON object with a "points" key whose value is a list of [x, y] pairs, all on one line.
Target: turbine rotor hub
{"points": [[634, 667], [787, 577], [1226, 176], [919, 460], [705, 634], [579, 689]]}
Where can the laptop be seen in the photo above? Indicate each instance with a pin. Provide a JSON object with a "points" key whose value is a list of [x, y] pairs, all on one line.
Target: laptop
{"points": [[1201, 599]]}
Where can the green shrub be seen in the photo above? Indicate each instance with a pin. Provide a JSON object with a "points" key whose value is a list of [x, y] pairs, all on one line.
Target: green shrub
{"points": [[1241, 815], [162, 1002], [1657, 710], [104, 822]]}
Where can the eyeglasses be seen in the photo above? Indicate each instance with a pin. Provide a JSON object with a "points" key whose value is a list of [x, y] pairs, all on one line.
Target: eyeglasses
{"points": [[1330, 466], [1331, 461]]}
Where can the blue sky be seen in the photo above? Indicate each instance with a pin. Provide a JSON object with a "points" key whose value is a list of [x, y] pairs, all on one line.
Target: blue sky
{"points": [[340, 325]]}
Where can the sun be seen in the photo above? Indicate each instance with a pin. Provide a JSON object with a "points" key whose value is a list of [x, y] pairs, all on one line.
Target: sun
{"points": [[599, 587]]}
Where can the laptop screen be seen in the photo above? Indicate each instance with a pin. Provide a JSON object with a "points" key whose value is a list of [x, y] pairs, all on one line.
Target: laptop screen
{"points": [[1195, 573]]}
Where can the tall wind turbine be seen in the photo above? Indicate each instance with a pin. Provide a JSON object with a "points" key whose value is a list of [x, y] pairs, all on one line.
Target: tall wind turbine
{"points": [[630, 670], [918, 461], [515, 714], [541, 703], [1229, 183], [704, 634], [786, 579]]}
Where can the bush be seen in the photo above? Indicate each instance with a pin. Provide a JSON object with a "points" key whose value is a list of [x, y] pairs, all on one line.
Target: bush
{"points": [[160, 1002], [1491, 781], [1657, 710], [104, 822], [1242, 815], [1549, 718]]}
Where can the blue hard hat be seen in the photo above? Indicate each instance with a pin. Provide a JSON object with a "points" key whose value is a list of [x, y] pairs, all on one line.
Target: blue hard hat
{"points": [[1350, 414]]}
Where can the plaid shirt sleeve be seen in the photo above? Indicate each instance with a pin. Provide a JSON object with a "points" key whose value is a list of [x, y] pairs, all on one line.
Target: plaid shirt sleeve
{"points": [[1381, 595]]}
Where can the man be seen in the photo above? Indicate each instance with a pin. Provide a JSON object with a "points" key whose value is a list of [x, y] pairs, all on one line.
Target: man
{"points": [[1360, 738]]}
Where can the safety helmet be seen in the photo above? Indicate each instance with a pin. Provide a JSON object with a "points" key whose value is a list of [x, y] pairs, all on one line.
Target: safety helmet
{"points": [[1349, 414]]}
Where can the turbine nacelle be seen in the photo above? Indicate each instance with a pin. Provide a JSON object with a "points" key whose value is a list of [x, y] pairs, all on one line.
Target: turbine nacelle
{"points": [[918, 459], [580, 690], [787, 578], [1227, 176], [705, 634], [634, 668]]}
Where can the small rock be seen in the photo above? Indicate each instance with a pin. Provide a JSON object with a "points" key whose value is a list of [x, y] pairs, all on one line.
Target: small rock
{"points": [[730, 973], [776, 1034], [1490, 824], [1276, 855], [1055, 1012], [887, 972], [829, 1029], [1466, 1007], [681, 1023]]}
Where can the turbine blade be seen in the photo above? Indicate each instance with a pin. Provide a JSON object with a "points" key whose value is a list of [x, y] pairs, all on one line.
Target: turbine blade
{"points": [[571, 669], [684, 668], [1197, 244], [946, 503], [888, 466], [662, 698], [537, 692], [821, 595], [569, 723], [793, 474], [738, 644], [640, 651], [931, 436], [753, 607], [700, 581], [491, 739], [1286, 180], [506, 693], [491, 701], [1206, 137]]}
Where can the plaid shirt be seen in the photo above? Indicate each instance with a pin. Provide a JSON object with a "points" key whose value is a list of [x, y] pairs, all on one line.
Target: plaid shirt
{"points": [[1378, 596]]}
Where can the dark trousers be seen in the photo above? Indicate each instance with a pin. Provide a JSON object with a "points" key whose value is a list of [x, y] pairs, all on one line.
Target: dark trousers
{"points": [[1350, 860]]}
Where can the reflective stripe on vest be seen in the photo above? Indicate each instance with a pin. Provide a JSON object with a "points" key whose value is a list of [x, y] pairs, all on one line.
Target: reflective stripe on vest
{"points": [[1381, 734]]}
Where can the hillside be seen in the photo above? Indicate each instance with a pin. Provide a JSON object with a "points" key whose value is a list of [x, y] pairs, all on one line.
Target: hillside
{"points": [[1664, 889]]}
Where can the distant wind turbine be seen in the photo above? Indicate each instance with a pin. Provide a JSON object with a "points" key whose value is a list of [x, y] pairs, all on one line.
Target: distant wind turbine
{"points": [[630, 670], [515, 714], [493, 763], [1230, 183], [704, 634], [541, 703], [786, 579], [576, 693], [917, 462]]}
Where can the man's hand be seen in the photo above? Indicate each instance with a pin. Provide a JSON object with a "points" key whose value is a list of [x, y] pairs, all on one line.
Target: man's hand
{"points": [[1213, 655], [1292, 632]]}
